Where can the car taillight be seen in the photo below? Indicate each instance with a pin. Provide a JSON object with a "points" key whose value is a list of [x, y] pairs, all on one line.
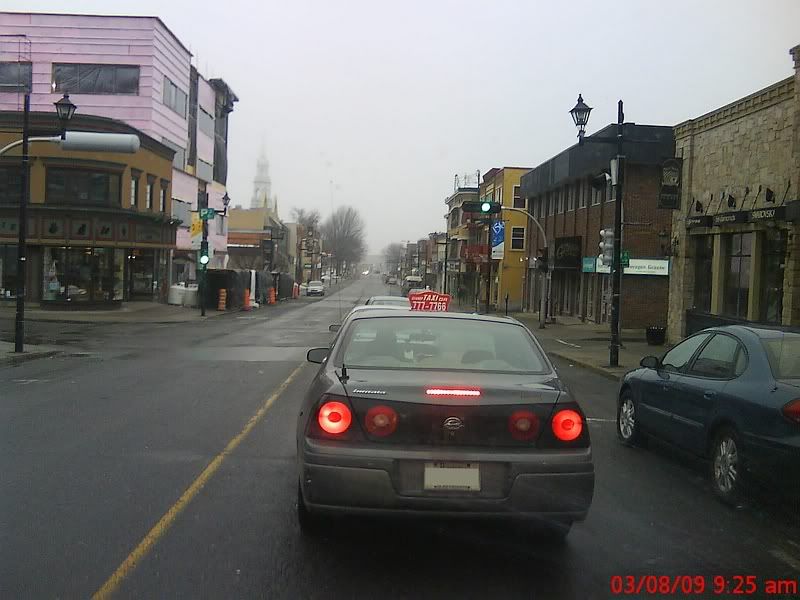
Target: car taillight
{"points": [[567, 425], [334, 417], [792, 411], [380, 421], [523, 425]]}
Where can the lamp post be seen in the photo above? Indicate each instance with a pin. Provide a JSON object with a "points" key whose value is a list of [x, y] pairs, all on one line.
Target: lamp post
{"points": [[65, 110], [580, 115]]}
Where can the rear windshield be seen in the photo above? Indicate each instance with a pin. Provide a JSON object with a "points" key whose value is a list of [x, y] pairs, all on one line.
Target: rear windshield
{"points": [[438, 343], [316, 283], [391, 302], [784, 355]]}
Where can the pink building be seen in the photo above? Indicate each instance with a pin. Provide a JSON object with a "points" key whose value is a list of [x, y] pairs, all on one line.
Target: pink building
{"points": [[135, 70]]}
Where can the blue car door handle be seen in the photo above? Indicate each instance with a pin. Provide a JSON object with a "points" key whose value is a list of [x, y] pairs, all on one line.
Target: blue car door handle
{"points": [[709, 395]]}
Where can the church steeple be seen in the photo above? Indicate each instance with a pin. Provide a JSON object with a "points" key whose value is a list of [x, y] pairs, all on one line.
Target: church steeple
{"points": [[262, 184]]}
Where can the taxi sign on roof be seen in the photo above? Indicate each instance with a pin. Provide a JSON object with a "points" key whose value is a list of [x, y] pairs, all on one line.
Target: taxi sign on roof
{"points": [[430, 301]]}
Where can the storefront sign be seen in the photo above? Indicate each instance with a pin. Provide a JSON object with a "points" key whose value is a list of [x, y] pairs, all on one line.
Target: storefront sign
{"points": [[567, 253], [638, 266], [669, 196], [700, 221], [589, 264], [730, 218], [768, 214]]}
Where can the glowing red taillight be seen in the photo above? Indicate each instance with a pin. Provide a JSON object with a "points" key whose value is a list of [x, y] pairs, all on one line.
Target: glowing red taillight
{"points": [[567, 425], [792, 410], [334, 417], [454, 392], [523, 425], [380, 421]]}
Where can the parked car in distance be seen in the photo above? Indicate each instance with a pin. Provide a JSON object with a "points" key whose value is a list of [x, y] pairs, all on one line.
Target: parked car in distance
{"points": [[432, 414], [411, 282], [729, 394], [315, 288]]}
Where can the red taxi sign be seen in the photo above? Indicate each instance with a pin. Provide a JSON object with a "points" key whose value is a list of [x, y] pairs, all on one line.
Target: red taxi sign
{"points": [[430, 301]]}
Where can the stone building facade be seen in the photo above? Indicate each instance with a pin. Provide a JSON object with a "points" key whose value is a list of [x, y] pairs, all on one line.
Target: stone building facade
{"points": [[735, 245]]}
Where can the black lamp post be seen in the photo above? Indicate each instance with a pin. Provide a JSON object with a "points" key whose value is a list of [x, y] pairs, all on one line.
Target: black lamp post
{"points": [[65, 110], [580, 115]]}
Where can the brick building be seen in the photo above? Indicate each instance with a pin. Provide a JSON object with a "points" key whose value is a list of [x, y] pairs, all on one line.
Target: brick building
{"points": [[736, 243], [571, 196]]}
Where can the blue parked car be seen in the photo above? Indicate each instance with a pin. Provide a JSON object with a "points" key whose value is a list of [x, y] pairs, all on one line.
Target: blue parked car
{"points": [[730, 394]]}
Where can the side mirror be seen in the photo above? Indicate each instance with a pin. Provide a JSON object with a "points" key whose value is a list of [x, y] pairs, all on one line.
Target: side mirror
{"points": [[317, 355], [334, 327], [650, 362]]}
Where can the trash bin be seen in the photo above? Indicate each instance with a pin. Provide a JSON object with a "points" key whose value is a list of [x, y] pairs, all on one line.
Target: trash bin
{"points": [[656, 335], [190, 298], [176, 293]]}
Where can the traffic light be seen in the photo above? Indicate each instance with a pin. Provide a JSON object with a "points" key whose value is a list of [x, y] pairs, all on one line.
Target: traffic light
{"points": [[204, 255], [484, 207], [606, 246]]}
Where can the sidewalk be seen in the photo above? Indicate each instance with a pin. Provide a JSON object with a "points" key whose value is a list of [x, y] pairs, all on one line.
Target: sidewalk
{"points": [[32, 352], [586, 344], [131, 312]]}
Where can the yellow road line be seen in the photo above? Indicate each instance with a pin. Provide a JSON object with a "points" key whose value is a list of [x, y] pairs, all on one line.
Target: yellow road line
{"points": [[165, 522]]}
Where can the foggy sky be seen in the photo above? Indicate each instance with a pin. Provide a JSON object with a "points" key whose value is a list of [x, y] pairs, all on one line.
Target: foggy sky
{"points": [[389, 100]]}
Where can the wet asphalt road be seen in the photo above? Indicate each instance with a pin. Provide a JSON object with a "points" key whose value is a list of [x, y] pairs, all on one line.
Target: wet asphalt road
{"points": [[96, 448]]}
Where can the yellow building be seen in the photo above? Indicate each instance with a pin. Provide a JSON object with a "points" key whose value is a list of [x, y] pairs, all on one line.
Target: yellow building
{"points": [[508, 272]]}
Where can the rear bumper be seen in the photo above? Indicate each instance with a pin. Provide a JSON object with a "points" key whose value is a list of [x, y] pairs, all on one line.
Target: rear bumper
{"points": [[553, 485], [775, 461]]}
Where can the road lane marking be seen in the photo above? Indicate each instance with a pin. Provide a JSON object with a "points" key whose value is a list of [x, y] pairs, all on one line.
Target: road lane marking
{"points": [[166, 521], [785, 558], [567, 343], [596, 420]]}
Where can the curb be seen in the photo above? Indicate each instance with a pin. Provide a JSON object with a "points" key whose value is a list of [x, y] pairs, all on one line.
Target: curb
{"points": [[123, 321], [14, 360], [585, 365]]}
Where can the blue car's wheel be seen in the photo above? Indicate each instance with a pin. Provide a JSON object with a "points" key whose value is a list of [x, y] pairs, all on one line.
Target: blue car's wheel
{"points": [[628, 430]]}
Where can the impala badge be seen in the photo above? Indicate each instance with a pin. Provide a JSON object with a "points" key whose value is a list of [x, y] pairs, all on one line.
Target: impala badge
{"points": [[453, 424]]}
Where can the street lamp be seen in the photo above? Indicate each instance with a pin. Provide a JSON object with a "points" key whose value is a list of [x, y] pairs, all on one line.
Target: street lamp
{"points": [[65, 109], [580, 115]]}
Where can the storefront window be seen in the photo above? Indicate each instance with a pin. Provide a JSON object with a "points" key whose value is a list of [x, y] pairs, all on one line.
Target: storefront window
{"points": [[8, 271], [54, 280], [737, 277], [76, 186], [703, 260], [773, 265], [82, 274]]}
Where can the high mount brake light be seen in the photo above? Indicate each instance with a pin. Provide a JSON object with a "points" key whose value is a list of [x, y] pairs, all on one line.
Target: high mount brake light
{"points": [[453, 392]]}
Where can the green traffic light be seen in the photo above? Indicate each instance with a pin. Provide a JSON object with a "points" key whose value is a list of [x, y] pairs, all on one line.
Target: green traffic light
{"points": [[204, 260], [486, 207]]}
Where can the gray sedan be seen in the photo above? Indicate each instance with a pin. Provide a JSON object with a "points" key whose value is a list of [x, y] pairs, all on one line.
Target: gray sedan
{"points": [[441, 414]]}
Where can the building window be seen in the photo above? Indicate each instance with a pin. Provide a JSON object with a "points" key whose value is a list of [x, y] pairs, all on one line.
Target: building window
{"points": [[206, 122], [597, 195], [76, 186], [772, 271], [582, 193], [150, 191], [174, 97], [737, 276], [8, 271], [498, 195], [519, 201], [571, 192], [135, 191], [703, 261], [10, 185], [162, 198], [518, 238], [558, 200], [205, 171], [16, 77], [75, 78], [551, 204], [179, 160], [220, 223]]}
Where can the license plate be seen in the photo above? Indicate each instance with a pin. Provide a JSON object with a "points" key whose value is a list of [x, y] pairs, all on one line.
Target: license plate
{"points": [[452, 476]]}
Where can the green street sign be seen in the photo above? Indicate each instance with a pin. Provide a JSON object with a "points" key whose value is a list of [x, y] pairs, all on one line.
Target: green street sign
{"points": [[307, 266], [207, 214], [625, 259]]}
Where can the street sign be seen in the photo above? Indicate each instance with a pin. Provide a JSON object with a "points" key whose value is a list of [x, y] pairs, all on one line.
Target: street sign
{"points": [[196, 231], [429, 301], [307, 266], [207, 214], [498, 239], [625, 259]]}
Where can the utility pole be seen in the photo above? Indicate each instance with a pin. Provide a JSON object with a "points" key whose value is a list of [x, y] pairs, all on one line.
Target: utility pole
{"points": [[616, 281]]}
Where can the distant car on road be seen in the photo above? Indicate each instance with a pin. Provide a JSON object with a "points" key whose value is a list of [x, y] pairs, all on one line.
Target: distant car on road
{"points": [[388, 301], [437, 414], [315, 288], [730, 394], [411, 282], [392, 281]]}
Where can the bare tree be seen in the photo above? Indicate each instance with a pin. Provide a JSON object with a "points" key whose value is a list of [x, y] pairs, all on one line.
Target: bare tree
{"points": [[393, 256], [343, 235], [309, 219]]}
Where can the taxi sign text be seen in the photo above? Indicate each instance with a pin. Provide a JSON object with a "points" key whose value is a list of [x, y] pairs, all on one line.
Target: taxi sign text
{"points": [[428, 300]]}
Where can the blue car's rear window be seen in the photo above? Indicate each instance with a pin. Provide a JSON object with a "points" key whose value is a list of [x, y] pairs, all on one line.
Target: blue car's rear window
{"points": [[783, 354]]}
